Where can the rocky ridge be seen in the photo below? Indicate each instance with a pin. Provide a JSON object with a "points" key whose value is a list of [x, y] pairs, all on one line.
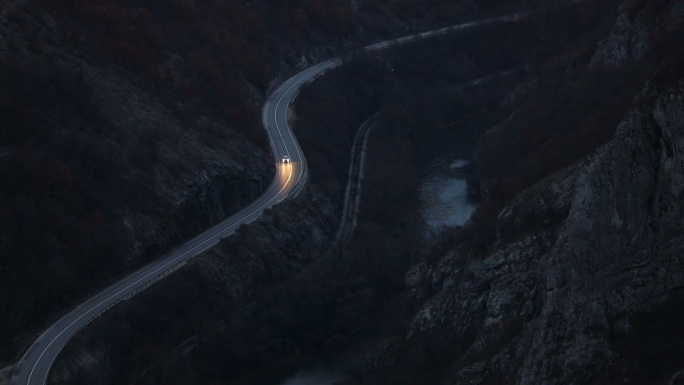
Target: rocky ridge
{"points": [[156, 162], [584, 283], [553, 302]]}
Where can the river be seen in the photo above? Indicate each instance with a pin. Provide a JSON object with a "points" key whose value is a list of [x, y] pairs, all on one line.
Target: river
{"points": [[323, 375], [443, 192], [443, 201]]}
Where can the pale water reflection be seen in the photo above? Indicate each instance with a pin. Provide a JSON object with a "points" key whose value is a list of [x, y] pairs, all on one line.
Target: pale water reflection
{"points": [[443, 194], [318, 376]]}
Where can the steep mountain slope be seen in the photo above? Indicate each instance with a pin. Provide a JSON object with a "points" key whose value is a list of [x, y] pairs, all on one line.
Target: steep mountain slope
{"points": [[98, 176], [126, 126], [581, 281]]}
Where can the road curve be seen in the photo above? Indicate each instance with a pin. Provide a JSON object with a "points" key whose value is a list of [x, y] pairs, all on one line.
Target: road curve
{"points": [[34, 366]]}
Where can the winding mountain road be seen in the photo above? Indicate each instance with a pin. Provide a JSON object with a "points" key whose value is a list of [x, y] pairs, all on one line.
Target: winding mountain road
{"points": [[34, 366]]}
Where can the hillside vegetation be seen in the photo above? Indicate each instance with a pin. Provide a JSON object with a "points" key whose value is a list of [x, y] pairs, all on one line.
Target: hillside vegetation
{"points": [[352, 295], [127, 126]]}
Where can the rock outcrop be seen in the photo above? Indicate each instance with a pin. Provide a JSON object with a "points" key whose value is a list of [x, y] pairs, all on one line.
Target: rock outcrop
{"points": [[628, 41], [585, 260], [585, 283]]}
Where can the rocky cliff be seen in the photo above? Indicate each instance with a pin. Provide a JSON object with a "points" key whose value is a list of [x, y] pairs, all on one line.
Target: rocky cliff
{"points": [[588, 261], [584, 283]]}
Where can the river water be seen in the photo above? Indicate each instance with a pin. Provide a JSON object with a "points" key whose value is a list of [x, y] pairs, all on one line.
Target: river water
{"points": [[322, 375], [443, 201], [330, 367], [443, 191]]}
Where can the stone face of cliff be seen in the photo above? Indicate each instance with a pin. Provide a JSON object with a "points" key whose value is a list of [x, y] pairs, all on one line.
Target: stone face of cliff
{"points": [[618, 253], [585, 283], [628, 41], [587, 261]]}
